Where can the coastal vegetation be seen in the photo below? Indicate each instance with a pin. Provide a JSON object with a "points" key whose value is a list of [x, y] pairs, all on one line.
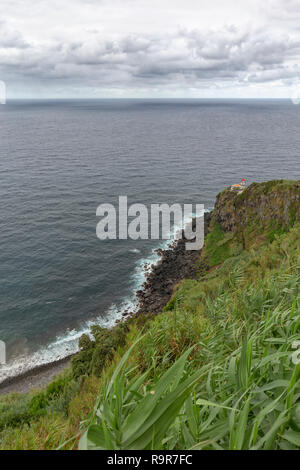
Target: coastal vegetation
{"points": [[216, 369]]}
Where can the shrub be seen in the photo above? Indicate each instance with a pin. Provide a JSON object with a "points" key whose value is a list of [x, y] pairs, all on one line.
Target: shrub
{"points": [[14, 411], [95, 352]]}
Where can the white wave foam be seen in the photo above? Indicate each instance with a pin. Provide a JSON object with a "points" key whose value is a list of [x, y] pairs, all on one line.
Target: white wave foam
{"points": [[61, 347]]}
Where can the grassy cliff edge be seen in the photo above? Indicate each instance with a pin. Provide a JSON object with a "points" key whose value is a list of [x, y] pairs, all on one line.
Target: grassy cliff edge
{"points": [[216, 369]]}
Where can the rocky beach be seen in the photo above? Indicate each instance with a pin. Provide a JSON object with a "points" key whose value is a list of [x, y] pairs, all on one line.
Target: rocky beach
{"points": [[176, 263]]}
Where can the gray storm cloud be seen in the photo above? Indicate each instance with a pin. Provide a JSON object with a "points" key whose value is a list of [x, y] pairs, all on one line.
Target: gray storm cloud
{"points": [[188, 57]]}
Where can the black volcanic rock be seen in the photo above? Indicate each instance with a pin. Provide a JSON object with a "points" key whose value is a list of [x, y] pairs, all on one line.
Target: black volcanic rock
{"points": [[176, 264]]}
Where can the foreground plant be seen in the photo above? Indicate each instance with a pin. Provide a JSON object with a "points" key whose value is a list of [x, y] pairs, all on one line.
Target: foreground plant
{"points": [[249, 399], [125, 418]]}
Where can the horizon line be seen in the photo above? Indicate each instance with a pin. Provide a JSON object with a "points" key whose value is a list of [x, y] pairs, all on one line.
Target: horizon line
{"points": [[149, 98]]}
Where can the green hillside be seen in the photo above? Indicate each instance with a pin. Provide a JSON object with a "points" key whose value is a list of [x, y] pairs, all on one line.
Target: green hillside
{"points": [[217, 369]]}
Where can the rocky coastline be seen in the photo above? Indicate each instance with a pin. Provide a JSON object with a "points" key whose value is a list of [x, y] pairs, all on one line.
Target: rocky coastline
{"points": [[175, 264]]}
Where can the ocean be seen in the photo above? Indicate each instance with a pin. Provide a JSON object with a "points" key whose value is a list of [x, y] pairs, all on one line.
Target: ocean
{"points": [[61, 159]]}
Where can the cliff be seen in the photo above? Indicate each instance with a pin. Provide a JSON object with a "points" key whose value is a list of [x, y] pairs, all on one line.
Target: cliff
{"points": [[260, 212]]}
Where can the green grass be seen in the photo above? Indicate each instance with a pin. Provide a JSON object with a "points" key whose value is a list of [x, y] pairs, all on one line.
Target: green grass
{"points": [[219, 245], [240, 324]]}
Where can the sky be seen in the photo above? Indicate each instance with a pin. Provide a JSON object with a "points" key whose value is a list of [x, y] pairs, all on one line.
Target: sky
{"points": [[150, 48]]}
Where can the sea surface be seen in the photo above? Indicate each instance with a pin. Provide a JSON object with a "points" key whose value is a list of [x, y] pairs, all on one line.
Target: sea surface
{"points": [[60, 159]]}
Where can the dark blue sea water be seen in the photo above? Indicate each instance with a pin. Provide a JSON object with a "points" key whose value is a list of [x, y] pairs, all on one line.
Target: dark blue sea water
{"points": [[61, 159]]}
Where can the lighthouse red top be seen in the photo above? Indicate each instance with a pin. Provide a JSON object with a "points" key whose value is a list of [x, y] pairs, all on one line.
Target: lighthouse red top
{"points": [[243, 179]]}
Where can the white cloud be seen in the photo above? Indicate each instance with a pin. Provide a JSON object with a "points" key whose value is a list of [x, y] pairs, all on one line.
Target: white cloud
{"points": [[141, 48]]}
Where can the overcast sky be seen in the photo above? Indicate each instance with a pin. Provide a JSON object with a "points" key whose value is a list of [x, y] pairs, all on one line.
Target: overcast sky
{"points": [[150, 48]]}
